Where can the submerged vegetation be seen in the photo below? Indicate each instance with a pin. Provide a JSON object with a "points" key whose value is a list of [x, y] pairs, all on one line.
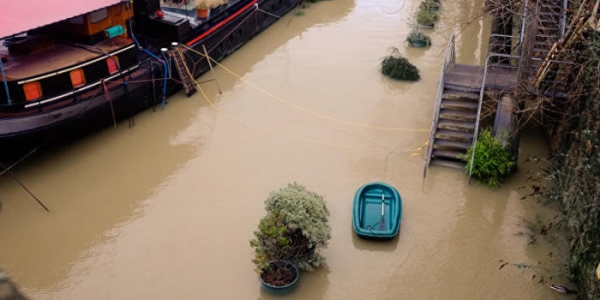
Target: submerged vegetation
{"points": [[426, 17], [294, 229], [418, 39], [397, 67], [492, 162]]}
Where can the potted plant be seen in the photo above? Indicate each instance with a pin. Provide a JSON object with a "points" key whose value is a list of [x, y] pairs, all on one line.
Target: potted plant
{"points": [[205, 7], [426, 18], [289, 236], [202, 10], [418, 39]]}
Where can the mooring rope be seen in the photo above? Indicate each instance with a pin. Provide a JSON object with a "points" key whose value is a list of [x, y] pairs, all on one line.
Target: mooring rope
{"points": [[217, 109], [268, 13], [305, 110], [412, 152]]}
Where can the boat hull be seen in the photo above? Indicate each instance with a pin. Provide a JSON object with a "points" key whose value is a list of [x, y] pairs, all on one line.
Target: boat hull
{"points": [[131, 93], [368, 219]]}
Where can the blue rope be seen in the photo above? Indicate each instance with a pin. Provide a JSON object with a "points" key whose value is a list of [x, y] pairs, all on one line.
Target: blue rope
{"points": [[166, 71], [5, 84]]}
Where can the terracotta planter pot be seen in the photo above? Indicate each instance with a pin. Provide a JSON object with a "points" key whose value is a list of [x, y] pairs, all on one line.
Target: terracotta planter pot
{"points": [[202, 13]]}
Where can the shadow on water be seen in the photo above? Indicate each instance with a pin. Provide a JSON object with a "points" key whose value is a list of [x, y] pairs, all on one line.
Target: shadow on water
{"points": [[311, 285], [375, 245]]}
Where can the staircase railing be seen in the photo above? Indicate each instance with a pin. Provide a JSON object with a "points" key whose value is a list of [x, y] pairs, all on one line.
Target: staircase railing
{"points": [[482, 93], [499, 40], [563, 17], [449, 60]]}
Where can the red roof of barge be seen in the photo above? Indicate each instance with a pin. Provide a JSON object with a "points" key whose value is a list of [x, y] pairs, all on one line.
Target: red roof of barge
{"points": [[17, 16]]}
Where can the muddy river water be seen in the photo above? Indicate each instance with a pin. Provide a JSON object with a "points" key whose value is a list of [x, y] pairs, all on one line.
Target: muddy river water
{"points": [[166, 209]]}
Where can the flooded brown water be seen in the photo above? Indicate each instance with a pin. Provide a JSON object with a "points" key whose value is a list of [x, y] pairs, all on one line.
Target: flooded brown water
{"points": [[165, 210]]}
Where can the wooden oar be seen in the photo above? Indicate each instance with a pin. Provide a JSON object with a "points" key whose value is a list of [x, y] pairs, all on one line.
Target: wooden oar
{"points": [[382, 221]]}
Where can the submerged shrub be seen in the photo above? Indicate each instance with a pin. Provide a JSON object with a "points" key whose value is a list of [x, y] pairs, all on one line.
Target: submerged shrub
{"points": [[492, 162], [294, 229], [397, 67], [417, 38], [426, 17]]}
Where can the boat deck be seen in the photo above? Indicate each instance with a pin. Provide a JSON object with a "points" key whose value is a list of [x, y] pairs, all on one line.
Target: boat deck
{"points": [[56, 57], [371, 211]]}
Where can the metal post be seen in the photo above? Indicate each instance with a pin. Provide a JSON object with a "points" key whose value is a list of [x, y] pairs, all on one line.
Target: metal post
{"points": [[563, 18], [5, 83], [523, 21], [165, 55]]}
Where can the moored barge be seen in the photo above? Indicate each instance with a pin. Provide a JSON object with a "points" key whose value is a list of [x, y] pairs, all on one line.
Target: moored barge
{"points": [[103, 60]]}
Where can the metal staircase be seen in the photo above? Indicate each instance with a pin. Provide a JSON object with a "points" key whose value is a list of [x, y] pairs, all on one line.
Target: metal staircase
{"points": [[456, 123], [454, 119], [458, 107], [461, 88], [548, 27]]}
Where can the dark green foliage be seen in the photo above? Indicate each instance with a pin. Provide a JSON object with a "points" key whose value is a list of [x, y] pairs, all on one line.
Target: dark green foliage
{"points": [[492, 162], [397, 67]]}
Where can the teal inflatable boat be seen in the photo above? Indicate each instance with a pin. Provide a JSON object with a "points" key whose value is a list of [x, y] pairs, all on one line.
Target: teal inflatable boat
{"points": [[377, 211]]}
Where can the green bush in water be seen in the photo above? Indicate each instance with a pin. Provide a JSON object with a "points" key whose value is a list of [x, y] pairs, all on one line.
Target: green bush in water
{"points": [[492, 162], [294, 229], [398, 67]]}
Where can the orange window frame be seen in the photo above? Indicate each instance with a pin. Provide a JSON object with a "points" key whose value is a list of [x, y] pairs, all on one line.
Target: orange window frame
{"points": [[113, 64], [77, 78], [33, 91]]}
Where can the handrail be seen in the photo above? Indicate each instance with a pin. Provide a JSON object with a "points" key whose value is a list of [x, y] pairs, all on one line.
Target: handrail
{"points": [[518, 38], [451, 51], [523, 21], [481, 94], [563, 18]]}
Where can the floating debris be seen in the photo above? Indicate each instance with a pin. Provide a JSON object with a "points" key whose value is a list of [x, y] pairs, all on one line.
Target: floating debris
{"points": [[562, 289]]}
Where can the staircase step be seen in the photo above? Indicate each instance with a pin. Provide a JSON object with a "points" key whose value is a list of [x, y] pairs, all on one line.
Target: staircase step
{"points": [[454, 135], [457, 114], [459, 95], [448, 154], [470, 69], [541, 50], [446, 103], [186, 81], [441, 143], [551, 15], [553, 21], [547, 29], [448, 163], [464, 88], [456, 125]]}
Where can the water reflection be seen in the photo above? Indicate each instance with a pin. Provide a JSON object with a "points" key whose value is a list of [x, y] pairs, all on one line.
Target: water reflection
{"points": [[376, 245]]}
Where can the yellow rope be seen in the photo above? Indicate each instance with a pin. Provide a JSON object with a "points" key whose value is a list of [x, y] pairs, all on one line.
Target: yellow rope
{"points": [[217, 109], [305, 110]]}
